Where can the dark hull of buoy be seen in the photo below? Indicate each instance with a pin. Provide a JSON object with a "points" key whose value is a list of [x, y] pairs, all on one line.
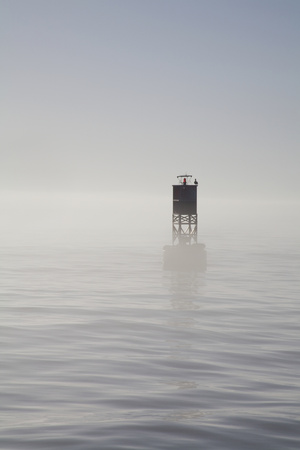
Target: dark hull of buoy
{"points": [[185, 257]]}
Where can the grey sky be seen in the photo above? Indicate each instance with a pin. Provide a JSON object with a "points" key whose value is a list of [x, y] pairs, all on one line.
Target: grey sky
{"points": [[126, 94]]}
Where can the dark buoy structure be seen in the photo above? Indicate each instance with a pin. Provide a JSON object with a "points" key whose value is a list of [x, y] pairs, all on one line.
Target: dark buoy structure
{"points": [[185, 253]]}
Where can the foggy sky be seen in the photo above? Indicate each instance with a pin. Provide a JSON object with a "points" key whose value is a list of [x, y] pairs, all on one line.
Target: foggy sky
{"points": [[123, 95]]}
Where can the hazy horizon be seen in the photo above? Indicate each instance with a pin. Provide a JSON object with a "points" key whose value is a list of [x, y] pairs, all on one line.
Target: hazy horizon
{"points": [[41, 219]]}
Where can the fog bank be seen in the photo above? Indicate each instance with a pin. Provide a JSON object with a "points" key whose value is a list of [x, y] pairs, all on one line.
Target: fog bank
{"points": [[124, 219]]}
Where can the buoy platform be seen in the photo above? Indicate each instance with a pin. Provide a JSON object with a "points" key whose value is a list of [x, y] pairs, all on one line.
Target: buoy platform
{"points": [[185, 253]]}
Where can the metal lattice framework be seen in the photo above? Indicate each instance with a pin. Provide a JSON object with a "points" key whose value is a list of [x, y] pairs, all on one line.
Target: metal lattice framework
{"points": [[185, 228]]}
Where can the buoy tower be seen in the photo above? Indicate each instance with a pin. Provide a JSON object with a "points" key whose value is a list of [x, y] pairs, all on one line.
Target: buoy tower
{"points": [[185, 215], [185, 252]]}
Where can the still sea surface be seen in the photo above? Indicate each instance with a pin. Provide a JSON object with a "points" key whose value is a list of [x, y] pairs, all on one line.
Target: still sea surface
{"points": [[103, 349]]}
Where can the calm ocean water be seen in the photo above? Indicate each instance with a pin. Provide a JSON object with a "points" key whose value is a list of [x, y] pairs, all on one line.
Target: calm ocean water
{"points": [[102, 349]]}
